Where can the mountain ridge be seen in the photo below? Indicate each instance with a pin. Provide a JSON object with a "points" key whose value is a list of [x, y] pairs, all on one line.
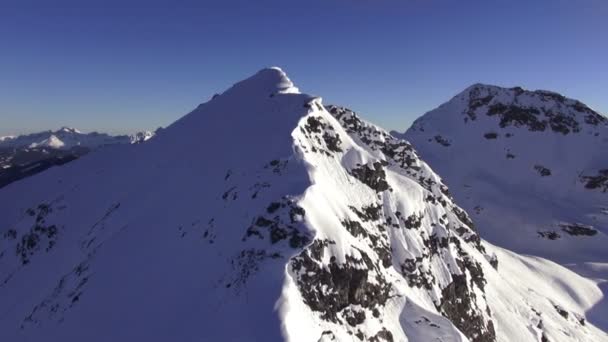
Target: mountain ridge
{"points": [[289, 219], [531, 169]]}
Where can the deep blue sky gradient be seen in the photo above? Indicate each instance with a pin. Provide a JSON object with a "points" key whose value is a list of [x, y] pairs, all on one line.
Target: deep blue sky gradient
{"points": [[122, 66]]}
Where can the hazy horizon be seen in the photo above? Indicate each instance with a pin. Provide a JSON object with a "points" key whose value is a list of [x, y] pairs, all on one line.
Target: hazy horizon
{"points": [[121, 67]]}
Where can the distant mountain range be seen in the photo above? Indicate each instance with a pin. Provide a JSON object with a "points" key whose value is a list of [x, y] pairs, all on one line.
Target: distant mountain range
{"points": [[25, 155], [264, 215], [66, 138]]}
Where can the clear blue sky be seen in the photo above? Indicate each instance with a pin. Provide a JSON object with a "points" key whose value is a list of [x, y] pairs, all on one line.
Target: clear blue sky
{"points": [[122, 66]]}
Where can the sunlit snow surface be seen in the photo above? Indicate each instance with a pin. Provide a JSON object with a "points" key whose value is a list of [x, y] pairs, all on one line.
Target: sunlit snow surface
{"points": [[527, 166], [264, 216]]}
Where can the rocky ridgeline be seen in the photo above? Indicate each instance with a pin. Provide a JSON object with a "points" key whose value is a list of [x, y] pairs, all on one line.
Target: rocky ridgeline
{"points": [[356, 291], [294, 221], [535, 110]]}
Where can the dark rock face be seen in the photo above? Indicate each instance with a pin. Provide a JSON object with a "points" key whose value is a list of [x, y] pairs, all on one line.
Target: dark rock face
{"points": [[543, 171], [398, 152], [457, 305], [442, 141], [458, 302], [16, 164], [282, 223], [329, 335], [511, 115], [494, 261], [562, 117], [332, 289], [577, 229], [413, 221], [382, 335], [592, 118], [599, 181], [354, 228], [551, 235], [372, 176], [561, 311], [415, 275], [463, 216], [40, 236], [322, 134], [378, 241], [368, 213], [476, 101]]}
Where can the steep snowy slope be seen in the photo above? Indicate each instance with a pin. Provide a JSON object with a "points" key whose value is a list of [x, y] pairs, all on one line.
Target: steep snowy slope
{"points": [[280, 221], [530, 166]]}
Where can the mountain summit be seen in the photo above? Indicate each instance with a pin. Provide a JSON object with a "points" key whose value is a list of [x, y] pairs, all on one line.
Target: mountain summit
{"points": [[535, 111], [530, 166], [267, 81], [536, 152], [279, 219]]}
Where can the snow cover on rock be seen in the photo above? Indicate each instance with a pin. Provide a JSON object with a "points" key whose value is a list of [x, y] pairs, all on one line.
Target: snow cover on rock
{"points": [[532, 169], [280, 220], [67, 138]]}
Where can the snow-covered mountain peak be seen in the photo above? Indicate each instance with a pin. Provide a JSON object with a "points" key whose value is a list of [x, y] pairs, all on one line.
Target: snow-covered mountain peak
{"points": [[530, 166], [52, 141], [267, 82], [257, 109], [515, 108], [66, 129], [280, 218]]}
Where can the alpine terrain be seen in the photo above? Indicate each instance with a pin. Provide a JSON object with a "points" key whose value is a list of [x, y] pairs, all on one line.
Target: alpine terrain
{"points": [[532, 169], [279, 220], [25, 155]]}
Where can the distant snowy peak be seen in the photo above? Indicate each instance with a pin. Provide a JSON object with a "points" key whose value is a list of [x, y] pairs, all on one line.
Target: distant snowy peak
{"points": [[69, 130], [67, 138], [140, 137], [51, 142], [536, 111]]}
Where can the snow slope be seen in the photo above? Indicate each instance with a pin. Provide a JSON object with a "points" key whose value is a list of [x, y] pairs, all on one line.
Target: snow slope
{"points": [[531, 167], [282, 220]]}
